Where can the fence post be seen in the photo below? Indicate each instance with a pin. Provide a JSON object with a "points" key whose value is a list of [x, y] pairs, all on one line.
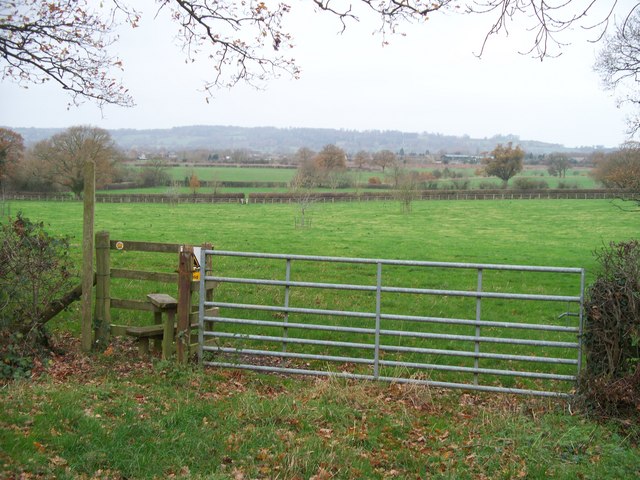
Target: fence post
{"points": [[185, 273], [102, 320], [87, 253]]}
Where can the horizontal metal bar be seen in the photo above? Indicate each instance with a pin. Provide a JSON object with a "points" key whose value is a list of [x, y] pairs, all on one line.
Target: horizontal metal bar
{"points": [[481, 323], [305, 326], [301, 356], [311, 311], [471, 338], [397, 333], [284, 283], [494, 356], [463, 386], [475, 294], [388, 363], [415, 263], [301, 341], [484, 371], [392, 348], [421, 291], [411, 318]]}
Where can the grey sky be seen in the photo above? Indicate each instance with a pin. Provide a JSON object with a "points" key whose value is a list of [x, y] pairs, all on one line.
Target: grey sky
{"points": [[429, 80]]}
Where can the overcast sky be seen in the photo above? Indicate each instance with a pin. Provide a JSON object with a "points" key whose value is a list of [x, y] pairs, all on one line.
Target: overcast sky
{"points": [[427, 81]]}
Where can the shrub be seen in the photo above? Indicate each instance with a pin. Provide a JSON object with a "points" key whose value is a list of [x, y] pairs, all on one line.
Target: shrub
{"points": [[35, 271], [567, 185], [523, 183], [460, 183], [375, 181], [487, 185], [611, 380]]}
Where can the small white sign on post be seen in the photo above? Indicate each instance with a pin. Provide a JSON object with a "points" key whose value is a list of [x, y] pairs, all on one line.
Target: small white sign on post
{"points": [[196, 262]]}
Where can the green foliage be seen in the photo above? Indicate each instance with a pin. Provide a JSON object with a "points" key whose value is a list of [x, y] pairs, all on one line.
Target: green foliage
{"points": [[15, 360], [505, 162], [35, 270], [611, 380], [524, 183]]}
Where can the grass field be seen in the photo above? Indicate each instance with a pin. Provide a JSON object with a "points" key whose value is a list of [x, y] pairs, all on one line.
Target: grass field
{"points": [[133, 419], [234, 174], [576, 178]]}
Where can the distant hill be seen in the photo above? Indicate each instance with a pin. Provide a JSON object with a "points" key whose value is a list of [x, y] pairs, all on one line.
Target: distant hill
{"points": [[288, 140]]}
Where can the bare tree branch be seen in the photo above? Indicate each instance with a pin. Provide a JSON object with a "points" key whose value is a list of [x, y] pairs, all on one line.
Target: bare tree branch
{"points": [[68, 41]]}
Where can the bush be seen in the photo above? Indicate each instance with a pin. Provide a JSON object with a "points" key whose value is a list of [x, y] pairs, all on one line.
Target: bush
{"points": [[523, 183], [35, 271], [460, 183], [567, 185], [488, 185], [611, 379], [375, 181]]}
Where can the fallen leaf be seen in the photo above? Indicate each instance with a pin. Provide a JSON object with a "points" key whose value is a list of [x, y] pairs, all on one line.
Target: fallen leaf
{"points": [[58, 461], [322, 474]]}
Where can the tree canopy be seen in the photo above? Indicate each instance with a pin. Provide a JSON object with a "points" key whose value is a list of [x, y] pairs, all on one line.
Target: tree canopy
{"points": [[557, 164], [70, 41], [504, 162], [621, 169], [11, 151], [63, 156]]}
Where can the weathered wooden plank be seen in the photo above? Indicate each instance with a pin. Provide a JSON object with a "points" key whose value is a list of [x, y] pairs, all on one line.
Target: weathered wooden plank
{"points": [[144, 275], [144, 246], [162, 301], [118, 330], [131, 305]]}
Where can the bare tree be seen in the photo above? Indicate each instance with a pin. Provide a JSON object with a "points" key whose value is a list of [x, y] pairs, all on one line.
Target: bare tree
{"points": [[384, 159], [361, 159], [407, 190], [301, 189], [618, 64], [304, 155], [557, 164], [68, 41], [63, 156]]}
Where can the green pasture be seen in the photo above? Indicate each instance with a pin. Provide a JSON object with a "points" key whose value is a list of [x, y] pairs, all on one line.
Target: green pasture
{"points": [[576, 178], [112, 415], [551, 233], [233, 174]]}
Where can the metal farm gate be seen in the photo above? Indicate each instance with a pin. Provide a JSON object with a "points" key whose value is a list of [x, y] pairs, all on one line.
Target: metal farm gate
{"points": [[497, 328]]}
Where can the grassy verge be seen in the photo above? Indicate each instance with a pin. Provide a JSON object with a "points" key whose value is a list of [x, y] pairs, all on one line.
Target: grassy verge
{"points": [[113, 416]]}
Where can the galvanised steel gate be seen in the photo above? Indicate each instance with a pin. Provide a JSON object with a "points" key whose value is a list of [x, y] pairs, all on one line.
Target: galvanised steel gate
{"points": [[478, 332]]}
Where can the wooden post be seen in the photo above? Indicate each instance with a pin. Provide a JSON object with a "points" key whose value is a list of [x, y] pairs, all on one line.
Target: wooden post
{"points": [[185, 273], [87, 253], [167, 334], [103, 295]]}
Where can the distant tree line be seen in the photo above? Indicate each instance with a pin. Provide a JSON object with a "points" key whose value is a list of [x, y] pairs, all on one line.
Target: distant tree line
{"points": [[55, 164]]}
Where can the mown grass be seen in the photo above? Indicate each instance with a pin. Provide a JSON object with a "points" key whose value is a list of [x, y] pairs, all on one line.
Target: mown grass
{"points": [[111, 416]]}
